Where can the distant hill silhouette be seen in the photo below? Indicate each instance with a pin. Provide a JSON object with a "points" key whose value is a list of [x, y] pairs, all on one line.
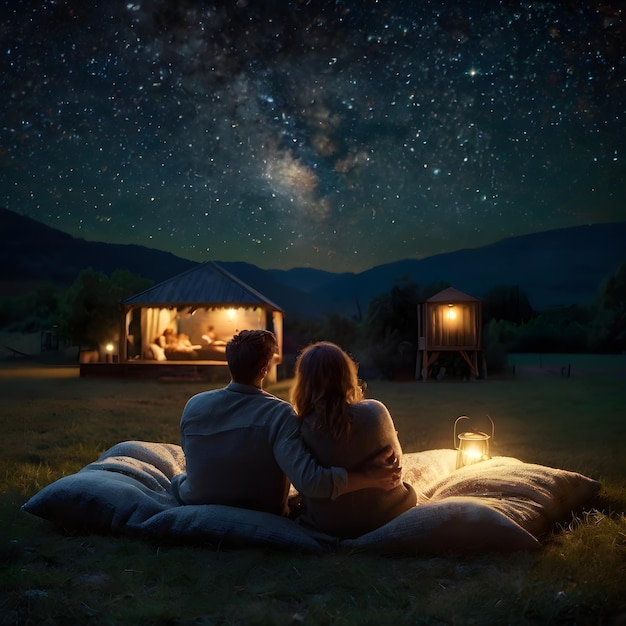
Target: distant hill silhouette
{"points": [[33, 251], [554, 268]]}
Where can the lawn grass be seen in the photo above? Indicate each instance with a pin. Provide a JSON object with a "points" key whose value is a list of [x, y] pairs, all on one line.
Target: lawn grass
{"points": [[54, 423]]}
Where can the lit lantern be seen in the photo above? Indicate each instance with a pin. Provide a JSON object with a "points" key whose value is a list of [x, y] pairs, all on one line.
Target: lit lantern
{"points": [[472, 446], [109, 349], [451, 313]]}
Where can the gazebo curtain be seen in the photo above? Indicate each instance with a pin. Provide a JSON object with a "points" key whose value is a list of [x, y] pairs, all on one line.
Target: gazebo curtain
{"points": [[154, 322]]}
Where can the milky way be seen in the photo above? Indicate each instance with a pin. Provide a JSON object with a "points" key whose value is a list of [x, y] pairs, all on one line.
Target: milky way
{"points": [[337, 135]]}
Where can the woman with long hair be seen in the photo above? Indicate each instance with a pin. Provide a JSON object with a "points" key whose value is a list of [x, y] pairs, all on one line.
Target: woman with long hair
{"points": [[344, 429]]}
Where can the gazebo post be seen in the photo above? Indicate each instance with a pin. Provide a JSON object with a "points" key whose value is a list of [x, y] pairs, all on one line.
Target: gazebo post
{"points": [[123, 335]]}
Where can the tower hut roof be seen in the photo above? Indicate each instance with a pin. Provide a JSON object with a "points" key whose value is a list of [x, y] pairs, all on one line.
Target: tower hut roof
{"points": [[452, 295]]}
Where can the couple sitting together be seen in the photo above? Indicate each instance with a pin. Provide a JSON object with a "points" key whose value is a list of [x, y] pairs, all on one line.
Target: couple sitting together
{"points": [[243, 446]]}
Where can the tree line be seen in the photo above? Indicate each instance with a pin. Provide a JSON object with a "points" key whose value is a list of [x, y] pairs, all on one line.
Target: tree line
{"points": [[384, 338], [87, 311]]}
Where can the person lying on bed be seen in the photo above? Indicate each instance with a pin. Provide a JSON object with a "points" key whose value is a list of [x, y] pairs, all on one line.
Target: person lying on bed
{"points": [[342, 428], [210, 338], [241, 443]]}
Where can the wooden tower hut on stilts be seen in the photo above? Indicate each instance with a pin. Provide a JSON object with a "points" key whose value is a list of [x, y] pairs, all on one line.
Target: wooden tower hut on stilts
{"points": [[449, 321]]}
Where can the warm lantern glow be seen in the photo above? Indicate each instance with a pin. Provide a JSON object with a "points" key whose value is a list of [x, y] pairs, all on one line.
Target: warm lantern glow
{"points": [[451, 312], [231, 313], [472, 446], [109, 347]]}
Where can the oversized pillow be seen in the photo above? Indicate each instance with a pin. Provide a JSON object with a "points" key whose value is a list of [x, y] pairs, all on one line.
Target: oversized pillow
{"points": [[501, 504], [98, 501], [126, 491], [534, 496], [110, 502], [454, 525], [126, 485], [221, 524], [153, 464], [423, 469], [157, 352]]}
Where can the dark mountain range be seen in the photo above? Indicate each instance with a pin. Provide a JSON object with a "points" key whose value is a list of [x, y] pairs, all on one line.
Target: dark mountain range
{"points": [[33, 251], [554, 268]]}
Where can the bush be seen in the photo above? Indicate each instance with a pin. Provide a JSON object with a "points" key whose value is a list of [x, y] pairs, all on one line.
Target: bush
{"points": [[91, 308], [32, 311]]}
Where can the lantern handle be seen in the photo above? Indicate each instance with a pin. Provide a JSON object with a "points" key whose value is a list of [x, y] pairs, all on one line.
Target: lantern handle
{"points": [[461, 417], [464, 417]]}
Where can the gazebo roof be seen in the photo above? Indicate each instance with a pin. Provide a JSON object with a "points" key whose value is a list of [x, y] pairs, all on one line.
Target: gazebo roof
{"points": [[207, 284], [452, 295]]}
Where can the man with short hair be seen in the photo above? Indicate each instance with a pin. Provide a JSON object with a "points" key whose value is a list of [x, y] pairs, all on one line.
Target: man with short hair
{"points": [[243, 447]]}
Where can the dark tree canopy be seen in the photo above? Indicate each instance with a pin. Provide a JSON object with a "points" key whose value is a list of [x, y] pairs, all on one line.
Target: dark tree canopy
{"points": [[90, 312]]}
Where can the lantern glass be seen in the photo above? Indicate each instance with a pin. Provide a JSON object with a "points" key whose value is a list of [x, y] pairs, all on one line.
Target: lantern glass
{"points": [[472, 446]]}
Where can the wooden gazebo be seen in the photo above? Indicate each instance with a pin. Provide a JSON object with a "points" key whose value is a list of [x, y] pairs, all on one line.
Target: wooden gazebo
{"points": [[206, 299], [449, 321]]}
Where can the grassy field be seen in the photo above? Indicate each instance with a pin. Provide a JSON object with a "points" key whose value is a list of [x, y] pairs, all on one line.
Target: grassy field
{"points": [[53, 423]]}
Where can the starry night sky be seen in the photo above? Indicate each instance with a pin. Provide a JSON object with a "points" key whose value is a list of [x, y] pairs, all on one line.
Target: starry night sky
{"points": [[337, 135]]}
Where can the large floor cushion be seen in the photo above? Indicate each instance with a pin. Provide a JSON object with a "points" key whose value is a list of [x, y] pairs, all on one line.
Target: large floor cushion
{"points": [[502, 504]]}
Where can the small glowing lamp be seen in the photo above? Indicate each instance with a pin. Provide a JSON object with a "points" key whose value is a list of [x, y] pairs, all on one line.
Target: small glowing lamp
{"points": [[451, 312], [472, 446], [109, 348]]}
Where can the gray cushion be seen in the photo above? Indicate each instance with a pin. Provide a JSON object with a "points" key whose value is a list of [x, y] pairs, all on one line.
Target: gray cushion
{"points": [[501, 504]]}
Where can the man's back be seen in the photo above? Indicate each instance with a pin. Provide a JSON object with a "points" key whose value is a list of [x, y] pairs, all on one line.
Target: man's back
{"points": [[229, 436]]}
